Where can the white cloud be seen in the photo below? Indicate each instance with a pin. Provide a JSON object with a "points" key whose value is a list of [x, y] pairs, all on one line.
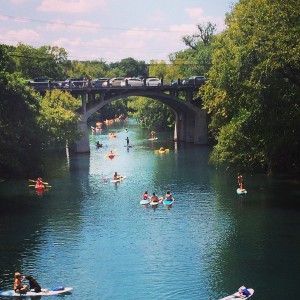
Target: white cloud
{"points": [[71, 6], [198, 17], [195, 13], [78, 27], [13, 37]]}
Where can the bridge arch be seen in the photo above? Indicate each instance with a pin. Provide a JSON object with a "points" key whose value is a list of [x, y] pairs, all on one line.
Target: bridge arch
{"points": [[190, 121]]}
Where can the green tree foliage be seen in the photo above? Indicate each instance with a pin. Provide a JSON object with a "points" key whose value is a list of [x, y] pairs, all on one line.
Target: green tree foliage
{"points": [[58, 118], [130, 67], [196, 59], [45, 61], [19, 133], [150, 113], [254, 87], [158, 69]]}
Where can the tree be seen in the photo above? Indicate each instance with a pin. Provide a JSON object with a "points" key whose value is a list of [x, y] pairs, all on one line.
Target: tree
{"points": [[46, 61], [19, 133], [150, 113], [58, 118], [130, 67], [254, 85]]}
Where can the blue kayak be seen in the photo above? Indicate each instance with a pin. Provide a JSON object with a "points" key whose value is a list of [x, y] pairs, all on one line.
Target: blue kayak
{"points": [[168, 202]]}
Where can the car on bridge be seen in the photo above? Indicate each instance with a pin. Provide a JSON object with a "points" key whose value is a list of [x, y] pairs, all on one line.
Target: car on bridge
{"points": [[195, 80], [99, 81], [116, 81], [153, 82], [132, 82], [73, 82]]}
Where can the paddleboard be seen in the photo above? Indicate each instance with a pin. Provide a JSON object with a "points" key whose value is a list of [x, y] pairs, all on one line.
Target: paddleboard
{"points": [[241, 192], [237, 295], [129, 146], [44, 292], [153, 139], [144, 201], [168, 202], [118, 180]]}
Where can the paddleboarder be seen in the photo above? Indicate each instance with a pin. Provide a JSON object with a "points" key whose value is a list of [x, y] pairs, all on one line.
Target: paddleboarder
{"points": [[18, 286], [240, 181]]}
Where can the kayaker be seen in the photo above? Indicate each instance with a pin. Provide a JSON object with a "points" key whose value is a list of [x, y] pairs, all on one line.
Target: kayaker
{"points": [[39, 183], [145, 195], [116, 176], [154, 198], [243, 291], [240, 181], [162, 149], [18, 287], [98, 145], [168, 196]]}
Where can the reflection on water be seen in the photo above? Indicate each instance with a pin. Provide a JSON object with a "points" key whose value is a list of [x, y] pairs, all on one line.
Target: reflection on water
{"points": [[93, 235]]}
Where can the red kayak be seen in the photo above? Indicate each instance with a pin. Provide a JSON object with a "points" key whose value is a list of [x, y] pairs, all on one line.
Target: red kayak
{"points": [[39, 187]]}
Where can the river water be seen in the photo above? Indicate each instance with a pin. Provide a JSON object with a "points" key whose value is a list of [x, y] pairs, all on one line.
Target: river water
{"points": [[97, 238]]}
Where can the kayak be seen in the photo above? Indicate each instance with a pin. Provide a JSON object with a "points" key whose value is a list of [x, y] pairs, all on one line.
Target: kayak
{"points": [[118, 180], [39, 187], [168, 202], [241, 191], [162, 151], [145, 201], [237, 295], [32, 293]]}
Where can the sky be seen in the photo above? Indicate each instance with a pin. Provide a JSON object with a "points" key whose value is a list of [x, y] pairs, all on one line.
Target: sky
{"points": [[109, 30]]}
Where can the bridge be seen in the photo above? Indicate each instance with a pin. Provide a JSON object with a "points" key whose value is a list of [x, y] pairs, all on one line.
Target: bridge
{"points": [[190, 119]]}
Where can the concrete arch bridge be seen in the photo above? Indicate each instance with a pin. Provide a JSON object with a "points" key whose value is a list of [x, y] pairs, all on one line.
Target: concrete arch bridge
{"points": [[190, 120]]}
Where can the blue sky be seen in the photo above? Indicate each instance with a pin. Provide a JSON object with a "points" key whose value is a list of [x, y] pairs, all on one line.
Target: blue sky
{"points": [[108, 29]]}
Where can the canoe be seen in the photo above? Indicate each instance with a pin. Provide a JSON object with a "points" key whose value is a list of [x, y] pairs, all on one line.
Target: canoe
{"points": [[44, 292], [237, 295], [241, 191]]}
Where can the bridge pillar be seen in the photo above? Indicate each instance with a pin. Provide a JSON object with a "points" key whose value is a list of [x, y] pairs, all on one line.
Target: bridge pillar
{"points": [[179, 130], [193, 129], [201, 130], [83, 145]]}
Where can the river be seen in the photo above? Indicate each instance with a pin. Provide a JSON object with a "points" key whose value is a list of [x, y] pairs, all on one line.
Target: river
{"points": [[97, 238]]}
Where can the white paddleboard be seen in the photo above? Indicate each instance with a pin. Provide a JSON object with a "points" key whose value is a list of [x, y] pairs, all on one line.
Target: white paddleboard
{"points": [[237, 295], [118, 180], [44, 292], [241, 191], [144, 201]]}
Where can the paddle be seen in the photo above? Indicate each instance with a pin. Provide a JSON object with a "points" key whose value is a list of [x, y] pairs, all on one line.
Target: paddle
{"points": [[31, 180]]}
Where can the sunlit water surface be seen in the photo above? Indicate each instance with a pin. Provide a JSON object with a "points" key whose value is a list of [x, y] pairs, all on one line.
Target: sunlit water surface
{"points": [[98, 239]]}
